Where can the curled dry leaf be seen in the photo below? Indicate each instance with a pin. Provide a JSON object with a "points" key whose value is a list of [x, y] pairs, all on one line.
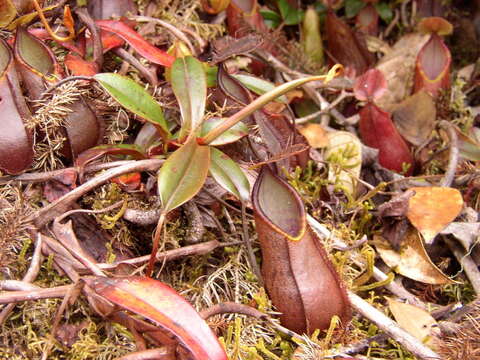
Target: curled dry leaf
{"points": [[299, 277], [16, 150], [415, 117], [416, 321], [344, 154], [431, 209], [411, 260], [165, 307], [378, 131]]}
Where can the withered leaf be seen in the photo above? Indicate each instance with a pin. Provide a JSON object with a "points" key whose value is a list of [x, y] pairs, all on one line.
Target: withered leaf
{"points": [[431, 209], [415, 117], [298, 275], [416, 321], [411, 260]]}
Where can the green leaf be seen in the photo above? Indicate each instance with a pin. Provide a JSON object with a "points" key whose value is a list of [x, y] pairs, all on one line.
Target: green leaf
{"points": [[134, 98], [189, 84], [236, 132], [183, 174], [384, 11], [272, 19], [228, 175], [258, 86], [290, 15], [353, 7]]}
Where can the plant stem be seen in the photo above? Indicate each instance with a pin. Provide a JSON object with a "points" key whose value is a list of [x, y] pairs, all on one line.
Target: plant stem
{"points": [[255, 105]]}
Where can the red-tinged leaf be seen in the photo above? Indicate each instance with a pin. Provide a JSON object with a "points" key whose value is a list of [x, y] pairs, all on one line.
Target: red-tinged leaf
{"points": [[143, 47], [129, 182], [432, 68], [344, 46], [183, 174], [166, 308], [119, 149], [298, 275], [43, 34], [243, 16], [189, 84], [110, 41], [435, 25], [16, 150], [80, 67], [378, 131], [370, 86], [367, 20]]}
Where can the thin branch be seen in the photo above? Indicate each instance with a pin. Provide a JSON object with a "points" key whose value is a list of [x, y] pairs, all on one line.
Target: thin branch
{"points": [[386, 324], [18, 296], [95, 33], [251, 255], [49, 212], [148, 74], [467, 263], [191, 250], [64, 81], [232, 307], [29, 276], [343, 95], [175, 31], [453, 156]]}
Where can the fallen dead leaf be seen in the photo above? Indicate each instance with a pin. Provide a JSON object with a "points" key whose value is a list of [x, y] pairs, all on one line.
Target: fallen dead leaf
{"points": [[414, 320], [315, 134], [431, 209], [412, 260]]}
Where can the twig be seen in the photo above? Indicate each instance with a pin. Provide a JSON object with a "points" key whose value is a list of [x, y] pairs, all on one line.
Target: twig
{"points": [[177, 33], [196, 229], [232, 307], [29, 276], [392, 24], [49, 175], [18, 296], [378, 274], [390, 327], [246, 240], [467, 263], [343, 95], [142, 217], [49, 212], [148, 74], [71, 293], [197, 249], [453, 156], [64, 81], [96, 37], [17, 285], [403, 10]]}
